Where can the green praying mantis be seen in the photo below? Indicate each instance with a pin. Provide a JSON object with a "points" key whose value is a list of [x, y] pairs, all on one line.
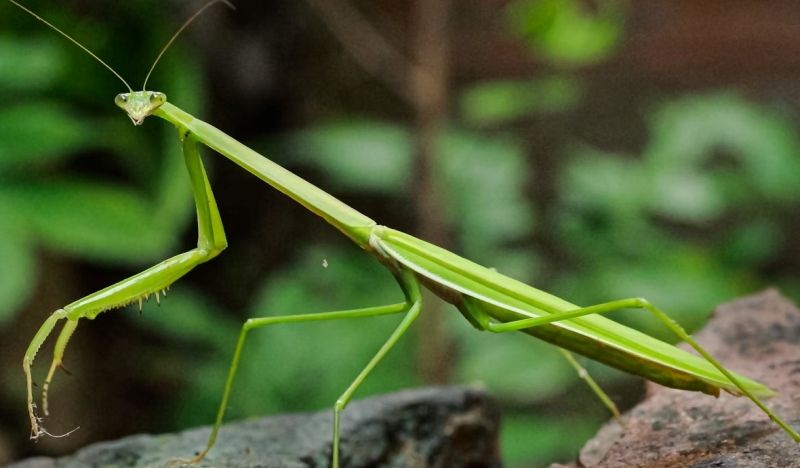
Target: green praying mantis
{"points": [[489, 300]]}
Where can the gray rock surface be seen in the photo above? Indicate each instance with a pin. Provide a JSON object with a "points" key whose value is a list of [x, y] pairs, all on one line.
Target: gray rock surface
{"points": [[758, 336], [429, 427]]}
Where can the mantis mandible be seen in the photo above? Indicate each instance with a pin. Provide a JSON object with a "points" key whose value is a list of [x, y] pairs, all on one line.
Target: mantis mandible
{"points": [[489, 300]]}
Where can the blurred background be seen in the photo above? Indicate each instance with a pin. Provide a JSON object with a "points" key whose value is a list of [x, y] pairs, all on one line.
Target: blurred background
{"points": [[595, 149]]}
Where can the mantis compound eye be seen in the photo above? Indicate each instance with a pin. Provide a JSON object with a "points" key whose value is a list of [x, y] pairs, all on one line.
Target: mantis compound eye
{"points": [[121, 99], [157, 98]]}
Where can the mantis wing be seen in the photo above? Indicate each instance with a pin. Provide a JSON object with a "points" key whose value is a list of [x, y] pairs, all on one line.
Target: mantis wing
{"points": [[456, 280]]}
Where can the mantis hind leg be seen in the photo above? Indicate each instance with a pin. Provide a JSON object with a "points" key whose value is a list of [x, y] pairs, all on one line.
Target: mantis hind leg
{"points": [[598, 391], [672, 325], [482, 321], [211, 241]]}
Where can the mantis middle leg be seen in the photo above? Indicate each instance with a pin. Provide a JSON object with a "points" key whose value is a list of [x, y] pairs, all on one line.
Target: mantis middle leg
{"points": [[411, 308]]}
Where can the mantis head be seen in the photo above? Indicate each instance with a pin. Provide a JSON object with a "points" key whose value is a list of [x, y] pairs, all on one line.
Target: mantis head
{"points": [[139, 104]]}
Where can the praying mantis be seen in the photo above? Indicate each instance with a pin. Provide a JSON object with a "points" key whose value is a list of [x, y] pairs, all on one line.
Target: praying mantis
{"points": [[487, 299]]}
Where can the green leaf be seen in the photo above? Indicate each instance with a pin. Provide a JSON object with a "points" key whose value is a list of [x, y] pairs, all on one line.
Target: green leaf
{"points": [[37, 133], [18, 267], [362, 155], [101, 222], [185, 314], [727, 150], [29, 64], [517, 368], [754, 243], [483, 178], [566, 30], [686, 195], [498, 102], [200, 337], [597, 180]]}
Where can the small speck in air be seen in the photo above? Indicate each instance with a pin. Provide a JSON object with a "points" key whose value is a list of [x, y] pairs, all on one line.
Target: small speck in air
{"points": [[324, 263]]}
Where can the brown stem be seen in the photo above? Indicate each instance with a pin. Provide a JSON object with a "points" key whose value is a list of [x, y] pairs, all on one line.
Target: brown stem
{"points": [[429, 92], [423, 83], [365, 44]]}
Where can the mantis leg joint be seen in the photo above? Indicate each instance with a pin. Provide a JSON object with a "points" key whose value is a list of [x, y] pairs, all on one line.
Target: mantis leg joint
{"points": [[339, 405]]}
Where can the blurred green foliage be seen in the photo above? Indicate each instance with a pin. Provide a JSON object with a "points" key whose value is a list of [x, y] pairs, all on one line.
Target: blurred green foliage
{"points": [[566, 32], [500, 102], [711, 160], [695, 217]]}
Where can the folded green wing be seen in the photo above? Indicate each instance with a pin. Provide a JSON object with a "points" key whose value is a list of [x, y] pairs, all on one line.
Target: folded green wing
{"points": [[593, 336]]}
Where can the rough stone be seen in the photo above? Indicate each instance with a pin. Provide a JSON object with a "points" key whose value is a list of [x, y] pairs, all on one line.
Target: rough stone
{"points": [[429, 427], [758, 336]]}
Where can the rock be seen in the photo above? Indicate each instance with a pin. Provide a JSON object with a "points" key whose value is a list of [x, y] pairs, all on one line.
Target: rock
{"points": [[758, 336], [429, 427]]}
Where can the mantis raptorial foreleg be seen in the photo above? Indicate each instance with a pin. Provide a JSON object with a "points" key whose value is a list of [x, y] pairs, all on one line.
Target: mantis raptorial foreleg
{"points": [[631, 303], [411, 309], [211, 241], [27, 360]]}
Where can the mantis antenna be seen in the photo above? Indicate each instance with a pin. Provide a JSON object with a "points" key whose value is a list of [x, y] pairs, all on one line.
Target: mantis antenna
{"points": [[178, 32], [161, 54], [25, 9]]}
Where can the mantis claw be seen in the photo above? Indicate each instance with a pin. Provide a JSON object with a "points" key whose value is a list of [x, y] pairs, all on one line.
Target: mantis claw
{"points": [[178, 462], [41, 335]]}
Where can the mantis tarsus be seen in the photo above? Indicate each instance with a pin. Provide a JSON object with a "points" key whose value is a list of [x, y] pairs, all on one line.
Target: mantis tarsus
{"points": [[489, 300]]}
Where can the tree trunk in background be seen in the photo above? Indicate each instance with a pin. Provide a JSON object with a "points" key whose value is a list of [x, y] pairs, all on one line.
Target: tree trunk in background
{"points": [[429, 90]]}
